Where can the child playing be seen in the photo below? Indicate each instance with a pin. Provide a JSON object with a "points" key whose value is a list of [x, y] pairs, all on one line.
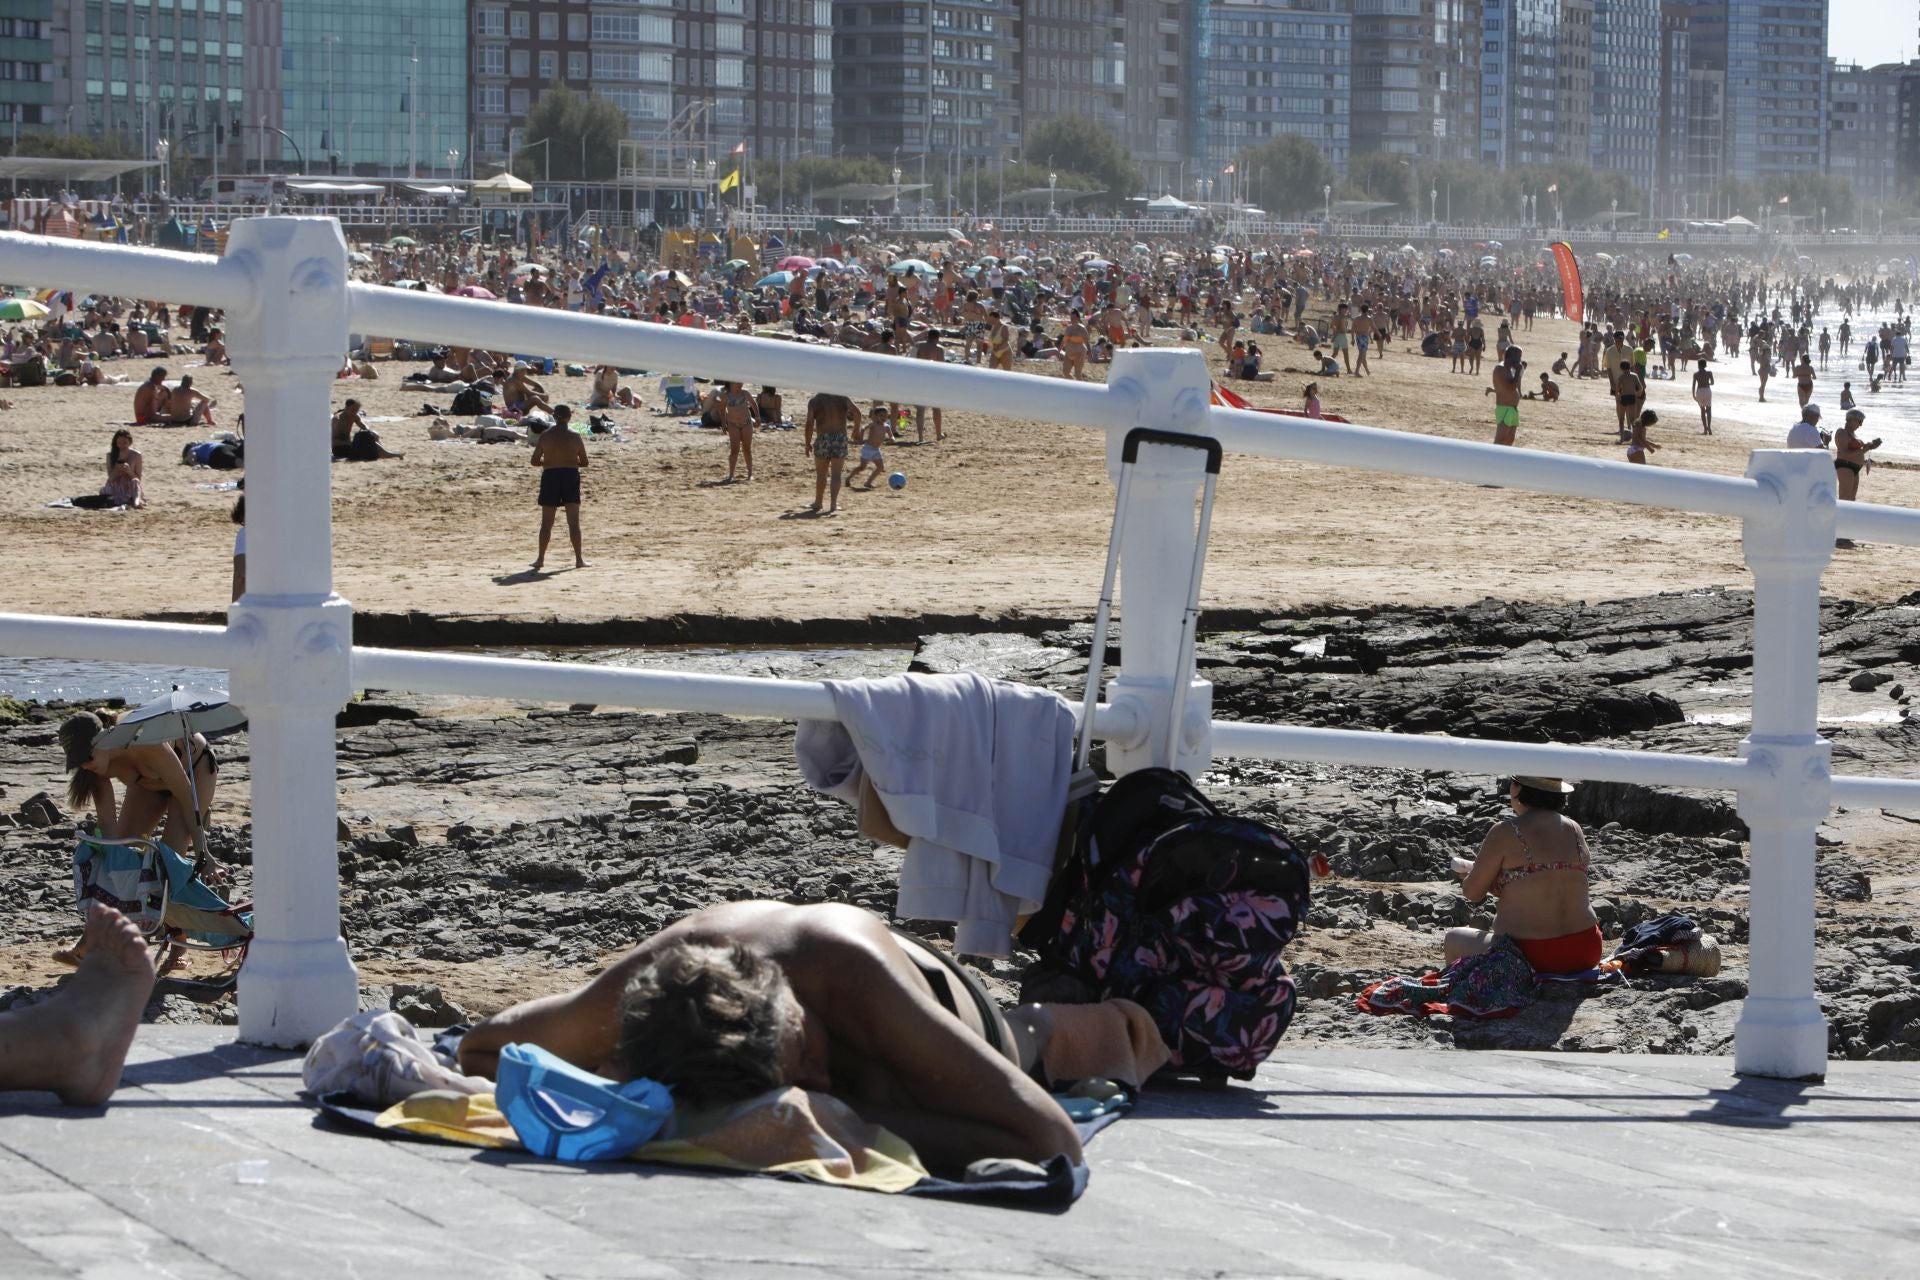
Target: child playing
{"points": [[879, 432]]}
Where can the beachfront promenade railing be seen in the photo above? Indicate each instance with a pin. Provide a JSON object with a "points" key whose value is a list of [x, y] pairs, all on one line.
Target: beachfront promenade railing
{"points": [[288, 641]]}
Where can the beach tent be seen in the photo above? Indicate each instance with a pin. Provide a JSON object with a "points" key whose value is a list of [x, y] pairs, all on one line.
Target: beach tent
{"points": [[501, 185], [1737, 221], [1168, 204]]}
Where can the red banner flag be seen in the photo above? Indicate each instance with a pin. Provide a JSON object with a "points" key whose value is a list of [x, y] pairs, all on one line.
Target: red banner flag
{"points": [[1572, 307]]}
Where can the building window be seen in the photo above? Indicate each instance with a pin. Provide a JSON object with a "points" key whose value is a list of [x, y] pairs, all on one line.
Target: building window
{"points": [[549, 65], [490, 22], [577, 28], [517, 24], [517, 102], [517, 62], [549, 26], [576, 66], [490, 60]]}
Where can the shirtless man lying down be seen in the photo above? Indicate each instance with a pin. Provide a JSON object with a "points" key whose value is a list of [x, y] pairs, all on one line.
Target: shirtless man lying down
{"points": [[737, 999]]}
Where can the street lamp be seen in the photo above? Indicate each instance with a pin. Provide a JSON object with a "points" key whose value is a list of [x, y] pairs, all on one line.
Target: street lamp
{"points": [[161, 150], [453, 163], [896, 191], [1823, 222], [1053, 180], [546, 158], [1613, 228], [1326, 194], [329, 42], [69, 122], [1433, 203]]}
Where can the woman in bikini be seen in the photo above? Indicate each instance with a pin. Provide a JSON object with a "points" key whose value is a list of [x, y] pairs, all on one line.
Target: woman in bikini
{"points": [[1535, 862], [155, 778]]}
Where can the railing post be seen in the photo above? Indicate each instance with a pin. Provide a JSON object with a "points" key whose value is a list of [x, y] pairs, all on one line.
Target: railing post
{"points": [[1171, 391], [1781, 1031], [294, 669]]}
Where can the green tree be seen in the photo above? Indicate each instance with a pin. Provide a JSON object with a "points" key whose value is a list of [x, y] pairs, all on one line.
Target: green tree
{"points": [[79, 146], [1088, 148], [1286, 175], [582, 134]]}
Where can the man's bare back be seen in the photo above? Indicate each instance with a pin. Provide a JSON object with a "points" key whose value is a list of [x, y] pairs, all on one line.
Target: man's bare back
{"points": [[870, 1031]]}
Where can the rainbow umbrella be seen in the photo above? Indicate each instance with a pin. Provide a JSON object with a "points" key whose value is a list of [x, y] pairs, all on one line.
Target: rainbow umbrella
{"points": [[23, 309]]}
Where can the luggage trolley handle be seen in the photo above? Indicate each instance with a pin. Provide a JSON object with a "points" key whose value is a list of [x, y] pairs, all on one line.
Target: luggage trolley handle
{"points": [[1129, 455]]}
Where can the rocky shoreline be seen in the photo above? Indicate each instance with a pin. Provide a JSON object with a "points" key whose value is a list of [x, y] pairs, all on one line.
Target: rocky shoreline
{"points": [[488, 851]]}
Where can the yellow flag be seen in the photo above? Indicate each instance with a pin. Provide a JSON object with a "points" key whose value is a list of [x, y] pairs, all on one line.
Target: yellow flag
{"points": [[1664, 233], [729, 182]]}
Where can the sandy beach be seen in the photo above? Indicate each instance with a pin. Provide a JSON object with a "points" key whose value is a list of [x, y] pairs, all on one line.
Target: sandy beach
{"points": [[1005, 517]]}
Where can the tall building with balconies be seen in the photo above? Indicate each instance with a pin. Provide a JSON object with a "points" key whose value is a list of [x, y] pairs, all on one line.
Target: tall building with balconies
{"points": [[1625, 134], [27, 68], [1863, 127], [1522, 63], [1278, 68], [1416, 78], [925, 80], [1070, 58], [203, 75], [1771, 56]]}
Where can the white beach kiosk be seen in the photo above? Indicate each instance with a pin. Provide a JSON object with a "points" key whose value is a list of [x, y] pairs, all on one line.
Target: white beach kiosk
{"points": [[288, 642]]}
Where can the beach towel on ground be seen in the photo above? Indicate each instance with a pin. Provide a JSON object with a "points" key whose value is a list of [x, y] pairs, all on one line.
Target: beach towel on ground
{"points": [[790, 1133], [1495, 984], [973, 771]]}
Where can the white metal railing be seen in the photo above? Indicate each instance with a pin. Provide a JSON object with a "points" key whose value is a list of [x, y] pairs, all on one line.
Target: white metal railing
{"points": [[288, 642]]}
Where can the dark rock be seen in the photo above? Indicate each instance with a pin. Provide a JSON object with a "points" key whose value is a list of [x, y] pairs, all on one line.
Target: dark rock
{"points": [[1868, 681], [40, 810], [424, 1006]]}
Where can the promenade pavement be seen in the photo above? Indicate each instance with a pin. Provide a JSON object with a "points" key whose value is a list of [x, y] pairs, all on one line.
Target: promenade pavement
{"points": [[1345, 1163]]}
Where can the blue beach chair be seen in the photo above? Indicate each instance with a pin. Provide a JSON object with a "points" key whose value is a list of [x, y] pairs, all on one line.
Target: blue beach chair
{"points": [[160, 892]]}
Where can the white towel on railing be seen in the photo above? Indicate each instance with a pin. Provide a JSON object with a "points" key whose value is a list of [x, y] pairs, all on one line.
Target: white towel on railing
{"points": [[973, 771]]}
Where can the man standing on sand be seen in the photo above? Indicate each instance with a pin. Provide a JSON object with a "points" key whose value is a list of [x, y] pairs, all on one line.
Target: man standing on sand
{"points": [[561, 456], [928, 348], [1703, 396], [829, 419], [1506, 397]]}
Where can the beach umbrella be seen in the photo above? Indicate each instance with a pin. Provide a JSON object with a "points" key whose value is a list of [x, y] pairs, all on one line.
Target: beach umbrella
{"points": [[1489, 261], [1598, 257], [1495, 244], [526, 268], [795, 262], [475, 291], [1223, 248], [1096, 264], [957, 236], [359, 259], [1016, 271], [905, 265], [1683, 257], [1407, 248], [734, 264], [1142, 249], [777, 280], [829, 264], [1443, 253], [402, 284], [22, 309], [1359, 255], [403, 242], [1303, 253]]}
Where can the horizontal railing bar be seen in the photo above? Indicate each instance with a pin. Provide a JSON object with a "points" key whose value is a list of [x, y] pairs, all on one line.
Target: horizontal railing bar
{"points": [[1436, 457], [1883, 793], [85, 267], [1442, 754], [671, 349], [1878, 523], [24, 635], [547, 681], [534, 680]]}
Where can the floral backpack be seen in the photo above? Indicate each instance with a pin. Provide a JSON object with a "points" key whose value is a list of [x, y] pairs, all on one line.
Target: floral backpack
{"points": [[1168, 902]]}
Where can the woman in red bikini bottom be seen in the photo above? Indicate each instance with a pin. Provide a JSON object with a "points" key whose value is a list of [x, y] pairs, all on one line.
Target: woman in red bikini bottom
{"points": [[1535, 863]]}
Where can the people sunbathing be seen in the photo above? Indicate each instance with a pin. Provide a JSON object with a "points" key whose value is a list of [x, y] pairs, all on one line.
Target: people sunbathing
{"points": [[1535, 862], [739, 999]]}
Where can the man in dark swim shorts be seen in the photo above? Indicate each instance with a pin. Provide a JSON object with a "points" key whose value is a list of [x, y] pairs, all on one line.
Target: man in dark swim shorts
{"points": [[561, 455]]}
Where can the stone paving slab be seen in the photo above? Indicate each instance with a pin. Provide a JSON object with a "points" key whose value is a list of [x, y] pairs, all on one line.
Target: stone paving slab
{"points": [[1373, 1163]]}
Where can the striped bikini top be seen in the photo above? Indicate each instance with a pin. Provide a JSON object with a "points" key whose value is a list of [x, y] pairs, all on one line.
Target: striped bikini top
{"points": [[1530, 867]]}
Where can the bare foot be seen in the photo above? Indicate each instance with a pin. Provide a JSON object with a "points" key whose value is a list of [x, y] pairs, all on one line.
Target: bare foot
{"points": [[538, 565], [76, 1043], [581, 564]]}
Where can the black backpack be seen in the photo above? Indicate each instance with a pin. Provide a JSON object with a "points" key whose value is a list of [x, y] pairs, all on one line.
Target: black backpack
{"points": [[471, 402], [1168, 902]]}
